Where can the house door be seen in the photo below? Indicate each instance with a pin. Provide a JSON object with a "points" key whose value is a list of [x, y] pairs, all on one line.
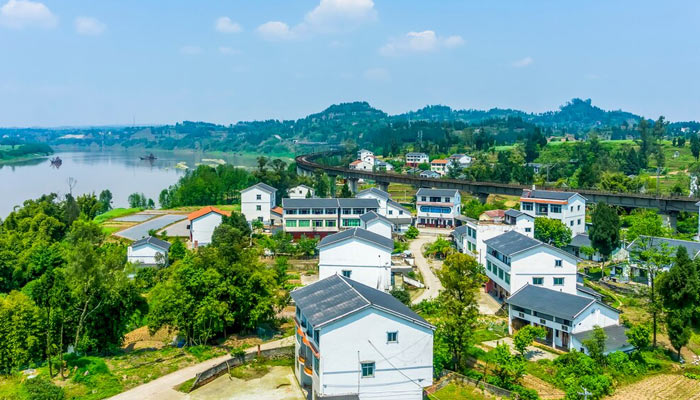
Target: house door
{"points": [[565, 340]]}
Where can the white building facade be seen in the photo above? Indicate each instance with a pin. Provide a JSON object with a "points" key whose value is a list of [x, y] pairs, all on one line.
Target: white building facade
{"points": [[438, 207], [399, 215], [320, 217], [415, 159], [148, 251], [567, 207], [202, 224], [514, 260], [357, 254], [256, 202], [300, 192], [355, 342]]}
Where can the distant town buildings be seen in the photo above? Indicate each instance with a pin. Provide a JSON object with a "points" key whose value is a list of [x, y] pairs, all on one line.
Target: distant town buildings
{"points": [[366, 161]]}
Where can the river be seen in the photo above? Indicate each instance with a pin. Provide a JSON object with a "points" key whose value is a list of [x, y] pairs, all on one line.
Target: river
{"points": [[122, 172]]}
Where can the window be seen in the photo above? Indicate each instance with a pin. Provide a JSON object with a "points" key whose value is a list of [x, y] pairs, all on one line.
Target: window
{"points": [[318, 223], [578, 208], [291, 223], [555, 208], [330, 223], [258, 197], [528, 230], [558, 281], [260, 219], [571, 223], [507, 278], [537, 281], [330, 211], [358, 211], [367, 369], [437, 210], [488, 265], [347, 273], [391, 212], [500, 273], [447, 199], [422, 198], [351, 222], [316, 362], [290, 211], [316, 336], [304, 211], [258, 208], [392, 337], [304, 223], [557, 263], [347, 211], [571, 208], [317, 211], [579, 221], [541, 209], [527, 206]]}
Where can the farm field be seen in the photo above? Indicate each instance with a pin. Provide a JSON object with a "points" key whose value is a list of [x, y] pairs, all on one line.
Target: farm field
{"points": [[660, 387]]}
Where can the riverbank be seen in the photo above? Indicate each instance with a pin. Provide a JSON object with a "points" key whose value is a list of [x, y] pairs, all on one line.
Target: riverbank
{"points": [[23, 159], [10, 154]]}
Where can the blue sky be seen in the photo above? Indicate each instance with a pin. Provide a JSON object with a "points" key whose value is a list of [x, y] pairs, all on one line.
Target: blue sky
{"points": [[70, 62]]}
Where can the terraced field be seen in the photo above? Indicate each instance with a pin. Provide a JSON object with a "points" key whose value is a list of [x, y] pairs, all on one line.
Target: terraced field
{"points": [[660, 387]]}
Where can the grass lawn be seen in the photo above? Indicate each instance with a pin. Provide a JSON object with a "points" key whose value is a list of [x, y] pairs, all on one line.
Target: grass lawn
{"points": [[224, 207], [116, 213], [455, 391], [108, 230]]}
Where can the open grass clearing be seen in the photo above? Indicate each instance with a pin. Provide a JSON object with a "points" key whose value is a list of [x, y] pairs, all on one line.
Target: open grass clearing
{"points": [[456, 391], [116, 213]]}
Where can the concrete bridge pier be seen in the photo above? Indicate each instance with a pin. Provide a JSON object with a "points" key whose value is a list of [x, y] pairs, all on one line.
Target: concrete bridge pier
{"points": [[483, 197], [670, 219], [332, 181], [383, 186], [352, 184]]}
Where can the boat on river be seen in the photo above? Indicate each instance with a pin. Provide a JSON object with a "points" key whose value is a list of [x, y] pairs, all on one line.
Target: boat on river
{"points": [[149, 157]]}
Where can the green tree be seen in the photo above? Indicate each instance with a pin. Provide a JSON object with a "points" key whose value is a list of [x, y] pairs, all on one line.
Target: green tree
{"points": [[461, 277], [306, 246], [678, 326], [508, 369], [20, 330], [639, 336], [411, 233], [105, 201], [605, 232], [695, 146], [402, 295], [596, 345], [523, 338], [345, 191], [440, 248], [321, 185], [89, 205], [177, 251], [643, 222], [552, 231]]}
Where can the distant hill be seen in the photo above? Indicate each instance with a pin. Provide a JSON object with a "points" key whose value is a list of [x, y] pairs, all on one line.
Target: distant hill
{"points": [[355, 122]]}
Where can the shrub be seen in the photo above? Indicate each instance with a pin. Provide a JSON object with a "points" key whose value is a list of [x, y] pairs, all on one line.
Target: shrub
{"points": [[525, 393], [41, 388], [412, 232], [401, 295]]}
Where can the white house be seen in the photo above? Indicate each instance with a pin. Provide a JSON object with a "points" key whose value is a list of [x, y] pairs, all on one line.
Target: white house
{"points": [[438, 207], [256, 202], [355, 342], [395, 212], [376, 223], [320, 217], [568, 318], [567, 207], [300, 192], [633, 270], [440, 166], [357, 254], [145, 251], [415, 159], [362, 165], [380, 165], [429, 174], [366, 156], [202, 224], [514, 260], [460, 161], [470, 237]]}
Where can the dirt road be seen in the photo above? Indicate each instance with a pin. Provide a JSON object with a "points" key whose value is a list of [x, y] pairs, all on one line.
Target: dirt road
{"points": [[432, 283], [162, 388]]}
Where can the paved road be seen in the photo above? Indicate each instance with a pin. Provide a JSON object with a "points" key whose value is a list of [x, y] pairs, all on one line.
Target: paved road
{"points": [[141, 230], [177, 229], [431, 281], [162, 388]]}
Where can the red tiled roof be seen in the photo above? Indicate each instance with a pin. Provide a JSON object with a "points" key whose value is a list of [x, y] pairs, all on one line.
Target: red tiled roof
{"points": [[495, 213], [439, 162], [277, 210], [206, 210], [355, 162]]}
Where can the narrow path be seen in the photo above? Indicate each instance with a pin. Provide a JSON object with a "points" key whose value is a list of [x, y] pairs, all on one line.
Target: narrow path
{"points": [[432, 283], [163, 387]]}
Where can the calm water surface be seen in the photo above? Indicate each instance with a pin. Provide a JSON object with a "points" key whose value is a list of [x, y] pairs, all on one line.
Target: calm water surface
{"points": [[122, 173]]}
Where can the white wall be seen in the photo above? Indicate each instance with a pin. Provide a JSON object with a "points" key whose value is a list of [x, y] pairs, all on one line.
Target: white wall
{"points": [[382, 201], [369, 263], [594, 315], [203, 227], [299, 192], [250, 205], [144, 254], [343, 345], [573, 213], [486, 231], [380, 227]]}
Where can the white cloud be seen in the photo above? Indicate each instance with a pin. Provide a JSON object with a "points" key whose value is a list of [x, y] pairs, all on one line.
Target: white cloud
{"points": [[275, 31], [228, 50], [377, 75], [18, 14], [226, 25], [523, 62], [338, 15], [190, 50], [89, 26], [420, 42]]}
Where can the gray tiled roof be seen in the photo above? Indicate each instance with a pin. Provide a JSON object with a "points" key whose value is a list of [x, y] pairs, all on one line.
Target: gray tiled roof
{"points": [[691, 246], [152, 240], [367, 203], [616, 337], [580, 240], [371, 216], [436, 192], [360, 234], [375, 191], [398, 205], [309, 203], [460, 230], [262, 186], [417, 154], [513, 213], [401, 220], [589, 291], [336, 297], [547, 194], [512, 242], [548, 301]]}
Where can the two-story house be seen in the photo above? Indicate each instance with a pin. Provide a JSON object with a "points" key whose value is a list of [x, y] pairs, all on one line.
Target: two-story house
{"points": [[399, 215], [569, 319], [637, 271], [320, 217], [366, 156], [567, 207], [376, 223], [471, 236], [362, 165], [460, 161], [415, 159], [300, 192], [202, 224], [440, 166], [357, 254], [438, 207], [146, 251], [257, 201], [429, 174], [514, 260], [356, 342]]}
